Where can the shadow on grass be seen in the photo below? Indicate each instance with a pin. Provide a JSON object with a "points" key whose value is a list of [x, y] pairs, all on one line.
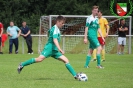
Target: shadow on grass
{"points": [[50, 79], [44, 79]]}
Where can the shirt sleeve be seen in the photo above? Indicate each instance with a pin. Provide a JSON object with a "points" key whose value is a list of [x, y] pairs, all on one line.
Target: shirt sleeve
{"points": [[119, 26], [1, 25], [88, 21], [125, 26], [17, 28], [105, 21], [7, 29], [28, 28], [55, 33]]}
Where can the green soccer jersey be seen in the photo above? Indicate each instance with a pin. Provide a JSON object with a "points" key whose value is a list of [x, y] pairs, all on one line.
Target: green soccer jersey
{"points": [[92, 24], [54, 32]]}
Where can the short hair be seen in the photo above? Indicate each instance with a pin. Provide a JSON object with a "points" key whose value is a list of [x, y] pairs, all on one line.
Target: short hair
{"points": [[12, 21], [99, 11], [23, 21], [60, 18], [95, 7]]}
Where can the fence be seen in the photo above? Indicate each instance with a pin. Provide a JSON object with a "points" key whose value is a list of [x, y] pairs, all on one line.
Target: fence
{"points": [[74, 44]]}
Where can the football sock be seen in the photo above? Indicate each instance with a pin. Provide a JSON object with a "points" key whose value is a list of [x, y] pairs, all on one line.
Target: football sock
{"points": [[98, 60], [94, 54], [28, 62], [103, 54], [88, 58], [70, 69]]}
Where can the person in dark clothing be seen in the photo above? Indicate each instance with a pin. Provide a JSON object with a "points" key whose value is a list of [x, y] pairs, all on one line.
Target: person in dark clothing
{"points": [[122, 28], [27, 36]]}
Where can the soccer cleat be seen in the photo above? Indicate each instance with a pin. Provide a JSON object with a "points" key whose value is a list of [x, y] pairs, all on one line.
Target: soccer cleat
{"points": [[1, 52], [119, 53], [86, 66], [20, 67], [100, 67], [16, 52], [76, 77], [103, 60], [93, 59]]}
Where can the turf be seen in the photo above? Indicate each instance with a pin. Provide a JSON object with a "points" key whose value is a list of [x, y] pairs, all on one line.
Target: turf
{"points": [[51, 73]]}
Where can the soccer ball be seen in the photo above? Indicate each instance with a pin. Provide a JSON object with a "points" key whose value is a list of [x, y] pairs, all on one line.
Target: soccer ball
{"points": [[82, 76]]}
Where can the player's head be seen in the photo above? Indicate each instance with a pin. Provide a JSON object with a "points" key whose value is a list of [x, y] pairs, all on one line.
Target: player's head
{"points": [[99, 13], [24, 23], [95, 10], [11, 23], [60, 20], [122, 21]]}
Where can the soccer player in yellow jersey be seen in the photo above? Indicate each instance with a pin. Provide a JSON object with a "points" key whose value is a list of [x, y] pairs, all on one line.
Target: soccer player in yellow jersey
{"points": [[105, 30]]}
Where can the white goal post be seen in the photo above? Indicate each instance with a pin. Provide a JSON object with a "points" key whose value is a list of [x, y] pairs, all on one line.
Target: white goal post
{"points": [[73, 30]]}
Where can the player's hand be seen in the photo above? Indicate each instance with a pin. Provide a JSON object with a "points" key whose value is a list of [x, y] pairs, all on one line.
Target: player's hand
{"points": [[103, 39], [62, 52], [85, 40], [18, 35], [24, 35], [10, 35], [106, 35]]}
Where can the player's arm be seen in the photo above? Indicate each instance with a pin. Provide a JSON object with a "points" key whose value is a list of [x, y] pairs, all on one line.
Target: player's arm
{"points": [[8, 33], [26, 34], [107, 27], [19, 32], [88, 21], [126, 28], [57, 45], [85, 35], [99, 31], [120, 29], [1, 32], [123, 29]]}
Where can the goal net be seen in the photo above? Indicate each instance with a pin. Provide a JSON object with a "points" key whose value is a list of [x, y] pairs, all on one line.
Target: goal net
{"points": [[73, 32]]}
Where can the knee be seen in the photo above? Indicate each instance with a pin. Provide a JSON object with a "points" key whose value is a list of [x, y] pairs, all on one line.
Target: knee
{"points": [[66, 61], [39, 59]]}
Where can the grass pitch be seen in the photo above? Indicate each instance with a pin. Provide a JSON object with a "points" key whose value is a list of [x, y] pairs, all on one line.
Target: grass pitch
{"points": [[51, 73]]}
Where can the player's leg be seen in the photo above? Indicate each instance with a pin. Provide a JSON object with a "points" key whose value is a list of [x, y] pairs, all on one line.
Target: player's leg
{"points": [[119, 45], [102, 43], [103, 53], [30, 40], [123, 44], [1, 46], [15, 41], [68, 65], [47, 51], [94, 55], [10, 45], [99, 48], [88, 58], [30, 61], [57, 55]]}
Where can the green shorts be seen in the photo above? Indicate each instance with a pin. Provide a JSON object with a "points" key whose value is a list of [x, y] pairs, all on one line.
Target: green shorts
{"points": [[49, 52], [94, 43]]}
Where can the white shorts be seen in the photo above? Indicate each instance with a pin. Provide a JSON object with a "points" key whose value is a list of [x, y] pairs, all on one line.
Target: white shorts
{"points": [[122, 40]]}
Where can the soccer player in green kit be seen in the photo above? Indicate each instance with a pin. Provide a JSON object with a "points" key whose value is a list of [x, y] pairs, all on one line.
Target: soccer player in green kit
{"points": [[52, 48], [91, 29]]}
